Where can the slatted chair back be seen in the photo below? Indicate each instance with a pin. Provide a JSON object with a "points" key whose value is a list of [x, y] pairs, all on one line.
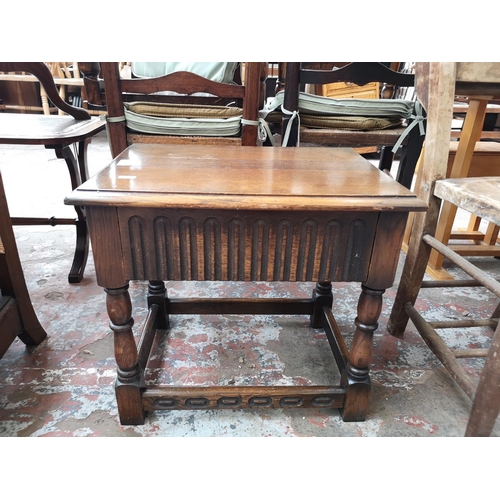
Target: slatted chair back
{"points": [[381, 125], [178, 107]]}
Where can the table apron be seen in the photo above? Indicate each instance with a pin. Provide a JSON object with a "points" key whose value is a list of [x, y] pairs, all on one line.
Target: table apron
{"points": [[169, 244]]}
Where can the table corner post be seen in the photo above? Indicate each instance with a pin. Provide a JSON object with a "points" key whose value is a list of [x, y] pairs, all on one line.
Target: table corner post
{"points": [[322, 296], [130, 377], [355, 378]]}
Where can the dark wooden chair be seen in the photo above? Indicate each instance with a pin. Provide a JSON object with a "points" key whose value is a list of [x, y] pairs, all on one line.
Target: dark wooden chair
{"points": [[60, 133], [17, 317], [437, 84], [176, 96], [314, 131]]}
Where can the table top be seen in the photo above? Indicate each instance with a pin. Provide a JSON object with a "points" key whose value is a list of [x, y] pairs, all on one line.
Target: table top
{"points": [[29, 128], [237, 177]]}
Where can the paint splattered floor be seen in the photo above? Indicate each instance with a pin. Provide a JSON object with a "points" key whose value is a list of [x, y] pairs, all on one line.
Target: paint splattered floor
{"points": [[64, 387]]}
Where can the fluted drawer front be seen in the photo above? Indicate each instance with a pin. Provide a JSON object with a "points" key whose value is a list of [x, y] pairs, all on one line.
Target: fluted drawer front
{"points": [[247, 246]]}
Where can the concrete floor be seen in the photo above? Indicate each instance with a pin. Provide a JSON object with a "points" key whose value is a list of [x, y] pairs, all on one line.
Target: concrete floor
{"points": [[64, 387]]}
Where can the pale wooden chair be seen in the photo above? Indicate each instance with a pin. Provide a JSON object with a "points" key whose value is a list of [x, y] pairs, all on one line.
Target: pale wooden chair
{"points": [[437, 84]]}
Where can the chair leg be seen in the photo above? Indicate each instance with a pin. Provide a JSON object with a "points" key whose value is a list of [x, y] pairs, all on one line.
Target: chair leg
{"points": [[413, 270], [496, 313], [486, 406], [77, 169], [386, 158], [409, 158]]}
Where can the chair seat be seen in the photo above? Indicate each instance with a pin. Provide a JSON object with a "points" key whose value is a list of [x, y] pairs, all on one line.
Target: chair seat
{"points": [[328, 106], [349, 122], [46, 130], [331, 136], [478, 195]]}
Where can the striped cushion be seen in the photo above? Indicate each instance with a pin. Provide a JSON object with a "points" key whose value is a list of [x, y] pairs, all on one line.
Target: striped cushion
{"points": [[186, 119]]}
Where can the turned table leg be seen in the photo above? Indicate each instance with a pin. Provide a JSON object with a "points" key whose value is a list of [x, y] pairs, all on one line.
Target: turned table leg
{"points": [[322, 296], [356, 377], [157, 294], [129, 383]]}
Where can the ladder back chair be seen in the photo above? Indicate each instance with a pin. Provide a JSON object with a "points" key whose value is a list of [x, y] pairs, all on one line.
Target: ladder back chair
{"points": [[348, 122], [180, 107]]}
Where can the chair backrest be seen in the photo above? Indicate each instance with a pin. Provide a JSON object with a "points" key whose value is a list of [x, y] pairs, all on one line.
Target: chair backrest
{"points": [[41, 71], [359, 73], [179, 87]]}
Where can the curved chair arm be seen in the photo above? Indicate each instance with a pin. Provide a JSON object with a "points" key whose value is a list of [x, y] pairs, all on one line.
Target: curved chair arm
{"points": [[42, 72]]}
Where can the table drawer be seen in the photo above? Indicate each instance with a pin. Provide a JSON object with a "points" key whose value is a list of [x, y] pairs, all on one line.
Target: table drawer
{"points": [[246, 246]]}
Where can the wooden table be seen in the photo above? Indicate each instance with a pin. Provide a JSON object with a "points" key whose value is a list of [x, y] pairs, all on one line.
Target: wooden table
{"points": [[243, 214]]}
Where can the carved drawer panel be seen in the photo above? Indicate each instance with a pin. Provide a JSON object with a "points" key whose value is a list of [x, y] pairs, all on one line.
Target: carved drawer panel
{"points": [[246, 246]]}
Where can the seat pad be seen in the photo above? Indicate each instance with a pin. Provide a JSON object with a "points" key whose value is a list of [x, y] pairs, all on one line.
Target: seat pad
{"points": [[326, 106], [186, 119]]}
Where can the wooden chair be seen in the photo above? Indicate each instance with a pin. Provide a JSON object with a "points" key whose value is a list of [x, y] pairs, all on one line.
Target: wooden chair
{"points": [[59, 133], [315, 129], [437, 84], [176, 94], [467, 164], [17, 317]]}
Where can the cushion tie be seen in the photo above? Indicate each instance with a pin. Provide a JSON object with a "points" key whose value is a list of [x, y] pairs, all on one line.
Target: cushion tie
{"points": [[418, 118], [115, 119], [263, 131], [293, 115]]}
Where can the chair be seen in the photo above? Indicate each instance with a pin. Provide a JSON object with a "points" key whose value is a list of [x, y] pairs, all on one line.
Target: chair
{"points": [[17, 317], [353, 122], [60, 133], [179, 106], [437, 84]]}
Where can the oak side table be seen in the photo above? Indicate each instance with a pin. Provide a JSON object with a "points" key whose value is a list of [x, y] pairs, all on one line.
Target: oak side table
{"points": [[176, 212]]}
